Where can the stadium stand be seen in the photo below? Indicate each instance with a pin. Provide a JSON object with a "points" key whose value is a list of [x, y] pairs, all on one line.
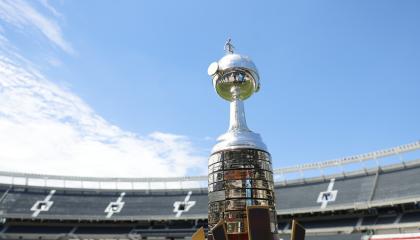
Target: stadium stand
{"points": [[410, 217], [345, 205], [388, 187]]}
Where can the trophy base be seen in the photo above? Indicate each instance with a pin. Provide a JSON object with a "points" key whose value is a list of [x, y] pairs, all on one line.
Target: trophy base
{"points": [[239, 139], [237, 236]]}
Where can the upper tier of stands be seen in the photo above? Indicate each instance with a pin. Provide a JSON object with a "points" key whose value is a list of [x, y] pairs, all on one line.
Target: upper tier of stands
{"points": [[395, 184]]}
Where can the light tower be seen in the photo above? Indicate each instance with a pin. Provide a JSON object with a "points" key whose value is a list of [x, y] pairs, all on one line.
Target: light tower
{"points": [[240, 170]]}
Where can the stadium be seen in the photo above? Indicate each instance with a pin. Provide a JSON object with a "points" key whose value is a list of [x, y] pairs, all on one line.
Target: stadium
{"points": [[108, 120], [368, 196]]}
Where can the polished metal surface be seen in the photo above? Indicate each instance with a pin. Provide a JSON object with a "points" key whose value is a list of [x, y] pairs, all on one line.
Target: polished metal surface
{"points": [[238, 134], [229, 46], [235, 78], [239, 178], [240, 171], [234, 70]]}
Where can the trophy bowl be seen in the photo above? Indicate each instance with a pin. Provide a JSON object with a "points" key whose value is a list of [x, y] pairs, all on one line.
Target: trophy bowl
{"points": [[234, 73]]}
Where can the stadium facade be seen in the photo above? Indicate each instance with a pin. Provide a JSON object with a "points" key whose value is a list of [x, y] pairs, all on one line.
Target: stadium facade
{"points": [[377, 198]]}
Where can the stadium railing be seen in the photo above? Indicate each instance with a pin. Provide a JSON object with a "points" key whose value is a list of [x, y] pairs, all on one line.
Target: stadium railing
{"points": [[284, 176]]}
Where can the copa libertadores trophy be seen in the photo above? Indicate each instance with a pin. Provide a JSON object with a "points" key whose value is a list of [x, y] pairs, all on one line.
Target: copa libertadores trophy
{"points": [[240, 171]]}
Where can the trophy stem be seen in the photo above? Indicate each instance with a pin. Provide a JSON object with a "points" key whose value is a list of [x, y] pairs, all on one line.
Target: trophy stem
{"points": [[237, 113], [237, 116]]}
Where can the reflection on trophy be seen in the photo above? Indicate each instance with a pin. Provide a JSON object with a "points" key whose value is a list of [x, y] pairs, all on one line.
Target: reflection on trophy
{"points": [[240, 171]]}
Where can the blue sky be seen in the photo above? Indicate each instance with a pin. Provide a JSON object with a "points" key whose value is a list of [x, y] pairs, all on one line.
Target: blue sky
{"points": [[338, 78]]}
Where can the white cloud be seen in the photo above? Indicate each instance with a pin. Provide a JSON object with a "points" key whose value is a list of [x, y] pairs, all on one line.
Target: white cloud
{"points": [[55, 62], [50, 8], [21, 15], [47, 129]]}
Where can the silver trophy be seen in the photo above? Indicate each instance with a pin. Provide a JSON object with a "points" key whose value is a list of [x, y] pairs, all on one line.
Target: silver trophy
{"points": [[240, 170], [235, 78]]}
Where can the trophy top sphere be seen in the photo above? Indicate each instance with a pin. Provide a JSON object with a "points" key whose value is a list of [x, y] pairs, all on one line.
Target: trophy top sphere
{"points": [[234, 71]]}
